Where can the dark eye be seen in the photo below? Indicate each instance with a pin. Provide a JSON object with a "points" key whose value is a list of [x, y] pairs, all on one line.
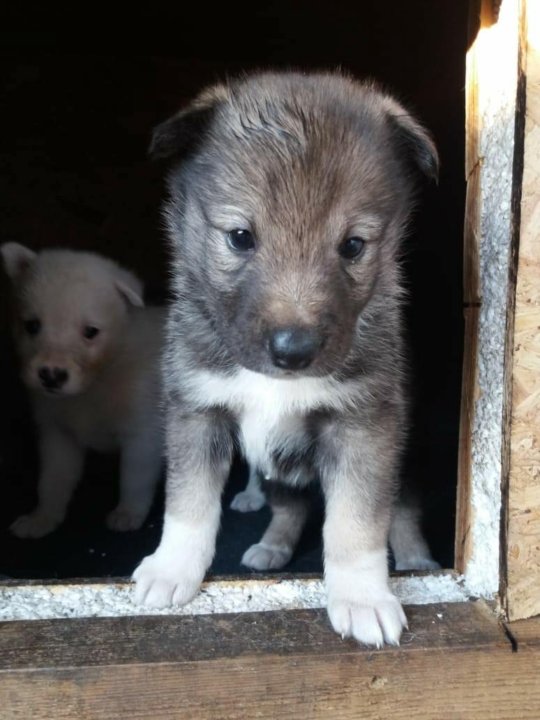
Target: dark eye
{"points": [[240, 240], [33, 326], [90, 332], [351, 248]]}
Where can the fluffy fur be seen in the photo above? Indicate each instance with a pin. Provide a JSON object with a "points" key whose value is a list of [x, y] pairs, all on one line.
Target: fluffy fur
{"points": [[100, 392], [302, 163]]}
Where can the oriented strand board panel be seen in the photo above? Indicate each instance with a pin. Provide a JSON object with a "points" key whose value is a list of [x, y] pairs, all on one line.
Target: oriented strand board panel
{"points": [[523, 513]]}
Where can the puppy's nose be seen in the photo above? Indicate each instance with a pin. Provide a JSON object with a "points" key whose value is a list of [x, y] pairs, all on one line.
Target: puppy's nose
{"points": [[52, 378], [294, 348]]}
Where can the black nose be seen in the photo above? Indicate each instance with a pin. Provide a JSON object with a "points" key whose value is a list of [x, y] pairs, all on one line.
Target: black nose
{"points": [[294, 348], [52, 378]]}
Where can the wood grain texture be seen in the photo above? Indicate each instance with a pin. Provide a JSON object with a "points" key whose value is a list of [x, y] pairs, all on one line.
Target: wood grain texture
{"points": [[456, 662], [479, 12], [522, 590], [526, 633]]}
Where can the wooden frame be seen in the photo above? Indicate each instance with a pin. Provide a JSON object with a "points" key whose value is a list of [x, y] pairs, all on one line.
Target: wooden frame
{"points": [[458, 657], [498, 519]]}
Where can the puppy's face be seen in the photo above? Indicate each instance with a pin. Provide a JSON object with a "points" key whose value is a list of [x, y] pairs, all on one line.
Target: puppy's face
{"points": [[292, 210], [70, 311]]}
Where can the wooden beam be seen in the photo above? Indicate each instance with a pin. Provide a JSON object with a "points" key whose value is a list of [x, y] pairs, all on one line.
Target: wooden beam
{"points": [[521, 584], [480, 15], [456, 662]]}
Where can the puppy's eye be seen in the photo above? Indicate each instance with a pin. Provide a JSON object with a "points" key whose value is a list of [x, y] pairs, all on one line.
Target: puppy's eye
{"points": [[351, 248], [90, 332], [32, 326], [240, 240]]}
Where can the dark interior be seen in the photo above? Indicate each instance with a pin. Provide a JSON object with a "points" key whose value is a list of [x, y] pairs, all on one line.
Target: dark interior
{"points": [[80, 95]]}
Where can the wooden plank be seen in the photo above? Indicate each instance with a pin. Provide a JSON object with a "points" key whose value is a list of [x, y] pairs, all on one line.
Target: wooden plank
{"points": [[464, 510], [521, 589], [456, 662], [526, 634], [479, 15]]}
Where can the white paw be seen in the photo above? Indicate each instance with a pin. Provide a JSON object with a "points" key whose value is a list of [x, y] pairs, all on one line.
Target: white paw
{"points": [[266, 557], [248, 501], [37, 524], [372, 621], [161, 582], [417, 563], [360, 604], [123, 520]]}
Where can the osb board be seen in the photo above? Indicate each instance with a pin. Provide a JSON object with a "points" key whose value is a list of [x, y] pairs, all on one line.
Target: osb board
{"points": [[523, 509], [455, 662]]}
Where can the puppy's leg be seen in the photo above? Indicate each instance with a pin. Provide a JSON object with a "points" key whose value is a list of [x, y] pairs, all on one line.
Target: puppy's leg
{"points": [[252, 498], [411, 551], [61, 459], [355, 473], [199, 451], [289, 512], [139, 472]]}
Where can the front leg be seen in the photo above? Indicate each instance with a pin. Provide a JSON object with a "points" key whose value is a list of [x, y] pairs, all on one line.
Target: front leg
{"points": [[252, 497], [140, 468], [61, 463], [357, 471], [199, 455]]}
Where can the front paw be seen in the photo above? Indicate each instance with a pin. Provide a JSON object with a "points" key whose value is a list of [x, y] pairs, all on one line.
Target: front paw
{"points": [[123, 520], [161, 581], [35, 525], [370, 619], [266, 557], [248, 501], [417, 562], [360, 604]]}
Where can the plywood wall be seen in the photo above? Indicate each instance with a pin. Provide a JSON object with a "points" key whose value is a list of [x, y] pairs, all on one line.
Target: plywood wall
{"points": [[522, 513]]}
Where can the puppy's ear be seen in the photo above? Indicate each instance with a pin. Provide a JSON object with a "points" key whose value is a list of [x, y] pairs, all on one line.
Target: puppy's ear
{"points": [[17, 258], [415, 141], [129, 287], [181, 134]]}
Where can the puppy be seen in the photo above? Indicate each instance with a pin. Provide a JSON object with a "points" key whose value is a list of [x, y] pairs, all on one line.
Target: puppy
{"points": [[289, 197], [90, 355], [409, 548]]}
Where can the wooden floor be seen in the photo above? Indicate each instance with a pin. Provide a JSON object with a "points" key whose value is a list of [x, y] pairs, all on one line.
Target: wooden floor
{"points": [[457, 662]]}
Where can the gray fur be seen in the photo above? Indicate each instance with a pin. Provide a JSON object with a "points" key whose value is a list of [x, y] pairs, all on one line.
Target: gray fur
{"points": [[303, 162]]}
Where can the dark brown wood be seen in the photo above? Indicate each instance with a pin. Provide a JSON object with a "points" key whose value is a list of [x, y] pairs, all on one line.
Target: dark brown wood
{"points": [[456, 662]]}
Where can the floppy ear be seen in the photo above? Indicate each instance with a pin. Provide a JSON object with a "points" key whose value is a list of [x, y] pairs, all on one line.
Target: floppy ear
{"points": [[130, 287], [181, 134], [414, 139], [17, 258]]}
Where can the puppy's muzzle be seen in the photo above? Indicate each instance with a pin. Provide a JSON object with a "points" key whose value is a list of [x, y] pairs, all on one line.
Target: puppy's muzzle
{"points": [[52, 378], [294, 348]]}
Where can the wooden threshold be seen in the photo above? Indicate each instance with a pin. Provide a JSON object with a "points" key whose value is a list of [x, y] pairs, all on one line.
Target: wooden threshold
{"points": [[457, 661]]}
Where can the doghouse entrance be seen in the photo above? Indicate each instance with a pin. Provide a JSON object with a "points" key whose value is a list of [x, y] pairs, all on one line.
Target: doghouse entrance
{"points": [[78, 114]]}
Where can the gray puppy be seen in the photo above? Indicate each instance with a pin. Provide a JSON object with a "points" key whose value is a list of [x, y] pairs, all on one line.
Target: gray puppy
{"points": [[287, 205]]}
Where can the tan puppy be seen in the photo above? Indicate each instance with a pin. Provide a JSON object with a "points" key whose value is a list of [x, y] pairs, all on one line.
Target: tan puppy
{"points": [[90, 357]]}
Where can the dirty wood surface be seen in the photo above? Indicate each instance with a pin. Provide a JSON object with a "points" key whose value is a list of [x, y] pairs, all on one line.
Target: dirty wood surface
{"points": [[456, 661]]}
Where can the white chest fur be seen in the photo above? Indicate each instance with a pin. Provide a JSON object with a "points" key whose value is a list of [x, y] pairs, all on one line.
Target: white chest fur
{"points": [[270, 411]]}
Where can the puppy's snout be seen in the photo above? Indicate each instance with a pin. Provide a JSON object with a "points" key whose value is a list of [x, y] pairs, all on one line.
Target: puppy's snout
{"points": [[52, 378], [294, 348]]}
